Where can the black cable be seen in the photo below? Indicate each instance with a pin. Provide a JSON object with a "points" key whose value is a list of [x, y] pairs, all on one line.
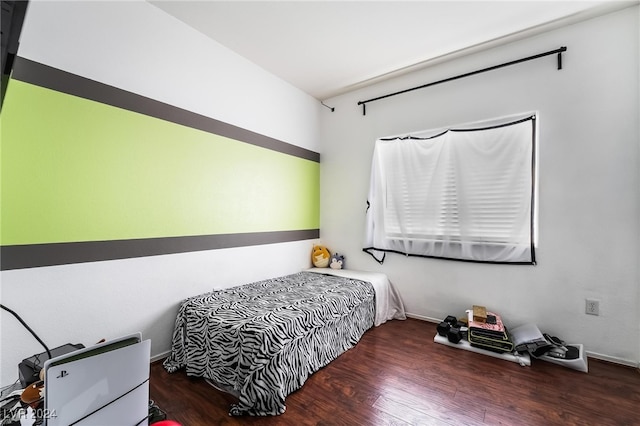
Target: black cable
{"points": [[28, 328]]}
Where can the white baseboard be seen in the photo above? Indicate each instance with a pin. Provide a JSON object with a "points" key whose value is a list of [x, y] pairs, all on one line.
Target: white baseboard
{"points": [[160, 356], [423, 318], [613, 359]]}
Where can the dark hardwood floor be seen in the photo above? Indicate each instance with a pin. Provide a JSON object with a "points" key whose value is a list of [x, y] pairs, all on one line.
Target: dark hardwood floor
{"points": [[397, 375]]}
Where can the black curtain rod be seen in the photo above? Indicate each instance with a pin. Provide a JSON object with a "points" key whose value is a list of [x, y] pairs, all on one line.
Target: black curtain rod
{"points": [[506, 64]]}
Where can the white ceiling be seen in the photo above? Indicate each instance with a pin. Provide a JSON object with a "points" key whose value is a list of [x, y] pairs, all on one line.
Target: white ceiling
{"points": [[329, 47]]}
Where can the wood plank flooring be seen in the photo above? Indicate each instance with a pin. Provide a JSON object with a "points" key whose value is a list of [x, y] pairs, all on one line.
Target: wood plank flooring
{"points": [[397, 375]]}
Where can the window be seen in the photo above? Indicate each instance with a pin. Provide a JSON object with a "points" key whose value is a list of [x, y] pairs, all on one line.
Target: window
{"points": [[465, 193]]}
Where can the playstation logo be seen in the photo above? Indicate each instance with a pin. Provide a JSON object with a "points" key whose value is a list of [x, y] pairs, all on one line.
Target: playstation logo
{"points": [[62, 374]]}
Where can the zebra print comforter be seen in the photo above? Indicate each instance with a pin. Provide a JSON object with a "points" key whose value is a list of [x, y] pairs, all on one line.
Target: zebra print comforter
{"points": [[262, 340]]}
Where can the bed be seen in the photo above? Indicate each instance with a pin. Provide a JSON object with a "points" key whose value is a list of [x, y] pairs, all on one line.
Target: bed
{"points": [[261, 341]]}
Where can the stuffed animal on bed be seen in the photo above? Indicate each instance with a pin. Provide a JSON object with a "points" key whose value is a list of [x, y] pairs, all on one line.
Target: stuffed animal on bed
{"points": [[320, 256], [337, 261]]}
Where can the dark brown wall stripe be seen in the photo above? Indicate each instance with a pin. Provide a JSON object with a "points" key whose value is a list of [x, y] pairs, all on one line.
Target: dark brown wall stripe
{"points": [[38, 255], [62, 81]]}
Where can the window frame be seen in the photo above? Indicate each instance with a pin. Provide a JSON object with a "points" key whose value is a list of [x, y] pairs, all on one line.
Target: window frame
{"points": [[488, 241]]}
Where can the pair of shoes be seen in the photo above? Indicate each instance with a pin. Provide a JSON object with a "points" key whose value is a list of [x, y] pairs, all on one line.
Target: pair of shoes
{"points": [[557, 348]]}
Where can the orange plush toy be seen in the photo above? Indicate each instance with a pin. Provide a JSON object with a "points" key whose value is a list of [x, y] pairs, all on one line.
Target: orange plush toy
{"points": [[320, 256]]}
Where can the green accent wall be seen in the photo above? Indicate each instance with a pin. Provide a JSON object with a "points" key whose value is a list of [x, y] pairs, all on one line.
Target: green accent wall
{"points": [[78, 170]]}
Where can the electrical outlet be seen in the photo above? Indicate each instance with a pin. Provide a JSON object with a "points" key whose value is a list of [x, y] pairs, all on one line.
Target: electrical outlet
{"points": [[592, 307]]}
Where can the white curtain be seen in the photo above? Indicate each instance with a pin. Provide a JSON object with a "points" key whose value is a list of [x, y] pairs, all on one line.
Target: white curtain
{"points": [[462, 193]]}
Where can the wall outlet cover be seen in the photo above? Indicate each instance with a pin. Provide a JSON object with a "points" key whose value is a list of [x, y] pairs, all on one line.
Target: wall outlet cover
{"points": [[592, 307]]}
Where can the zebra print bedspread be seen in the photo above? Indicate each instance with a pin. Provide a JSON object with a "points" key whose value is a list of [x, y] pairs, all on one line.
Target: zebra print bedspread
{"points": [[263, 340]]}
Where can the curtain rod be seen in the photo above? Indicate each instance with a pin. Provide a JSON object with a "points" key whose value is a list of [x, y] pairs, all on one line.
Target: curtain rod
{"points": [[506, 64]]}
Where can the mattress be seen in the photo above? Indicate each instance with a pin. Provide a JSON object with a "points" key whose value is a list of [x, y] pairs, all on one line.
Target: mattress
{"points": [[388, 302]]}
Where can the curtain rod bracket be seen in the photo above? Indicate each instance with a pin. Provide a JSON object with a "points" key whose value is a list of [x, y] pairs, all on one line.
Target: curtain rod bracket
{"points": [[559, 60], [325, 105]]}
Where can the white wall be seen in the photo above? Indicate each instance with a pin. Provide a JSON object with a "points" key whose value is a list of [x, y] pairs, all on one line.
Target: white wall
{"points": [[136, 47], [589, 159]]}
